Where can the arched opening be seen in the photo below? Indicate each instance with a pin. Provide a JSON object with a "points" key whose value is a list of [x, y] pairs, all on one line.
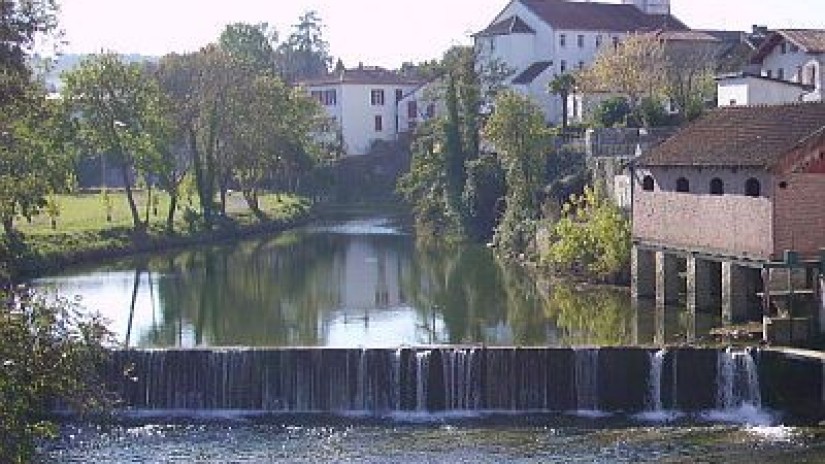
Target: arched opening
{"points": [[717, 187], [753, 188], [682, 185], [648, 184]]}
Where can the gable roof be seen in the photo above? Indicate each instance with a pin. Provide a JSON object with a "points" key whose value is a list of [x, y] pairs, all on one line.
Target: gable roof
{"points": [[591, 16], [774, 80], [809, 40], [511, 25], [363, 75], [532, 72], [742, 136]]}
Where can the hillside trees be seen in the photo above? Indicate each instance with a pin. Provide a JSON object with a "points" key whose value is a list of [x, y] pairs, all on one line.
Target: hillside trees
{"points": [[118, 110]]}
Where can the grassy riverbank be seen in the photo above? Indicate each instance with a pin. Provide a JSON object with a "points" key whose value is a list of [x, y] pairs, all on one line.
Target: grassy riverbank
{"points": [[83, 233]]}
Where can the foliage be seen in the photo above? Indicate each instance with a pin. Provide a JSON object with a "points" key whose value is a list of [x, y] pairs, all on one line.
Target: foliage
{"points": [[562, 85], [592, 237], [690, 71], [33, 159], [251, 44], [519, 135], [305, 53], [48, 355], [119, 110], [612, 112], [482, 197]]}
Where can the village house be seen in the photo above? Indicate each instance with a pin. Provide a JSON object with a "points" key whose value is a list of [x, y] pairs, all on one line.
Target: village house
{"points": [[363, 103], [724, 200], [786, 68], [539, 39]]}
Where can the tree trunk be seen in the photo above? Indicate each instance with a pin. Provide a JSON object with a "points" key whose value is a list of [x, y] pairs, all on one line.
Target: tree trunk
{"points": [[564, 112], [139, 226], [8, 226], [204, 192], [251, 197], [173, 204]]}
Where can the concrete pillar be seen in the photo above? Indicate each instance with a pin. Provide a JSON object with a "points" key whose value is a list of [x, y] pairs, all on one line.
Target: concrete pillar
{"points": [[667, 278], [735, 289], [643, 273]]}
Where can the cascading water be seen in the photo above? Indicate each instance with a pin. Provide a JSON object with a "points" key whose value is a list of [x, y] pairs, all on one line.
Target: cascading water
{"points": [[422, 372], [586, 362], [738, 396], [657, 361]]}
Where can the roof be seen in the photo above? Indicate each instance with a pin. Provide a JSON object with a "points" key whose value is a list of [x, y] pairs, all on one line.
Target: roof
{"points": [[809, 40], [363, 75], [532, 72], [511, 25], [740, 136], [591, 16], [750, 75], [687, 36]]}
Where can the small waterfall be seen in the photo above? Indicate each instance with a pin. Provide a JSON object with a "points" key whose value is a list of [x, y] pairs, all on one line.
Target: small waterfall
{"points": [[586, 362], [657, 361], [422, 373], [738, 381]]}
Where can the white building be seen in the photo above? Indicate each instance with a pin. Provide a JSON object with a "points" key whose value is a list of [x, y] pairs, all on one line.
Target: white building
{"points": [[787, 67], [539, 39], [363, 103]]}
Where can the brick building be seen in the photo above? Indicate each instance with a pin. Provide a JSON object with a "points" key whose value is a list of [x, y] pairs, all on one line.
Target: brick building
{"points": [[724, 199]]}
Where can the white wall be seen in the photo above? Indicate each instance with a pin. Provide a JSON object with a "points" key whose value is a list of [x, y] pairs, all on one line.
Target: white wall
{"points": [[754, 91]]}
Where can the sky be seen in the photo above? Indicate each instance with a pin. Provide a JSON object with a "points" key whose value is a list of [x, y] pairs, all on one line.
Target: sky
{"points": [[374, 32]]}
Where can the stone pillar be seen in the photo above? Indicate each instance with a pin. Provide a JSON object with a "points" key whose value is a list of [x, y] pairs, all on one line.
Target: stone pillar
{"points": [[703, 278], [734, 293], [643, 273], [667, 278]]}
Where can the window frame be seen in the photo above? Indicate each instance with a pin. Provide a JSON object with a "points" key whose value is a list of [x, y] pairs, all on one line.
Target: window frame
{"points": [[716, 187], [753, 188], [682, 185], [377, 97], [379, 123]]}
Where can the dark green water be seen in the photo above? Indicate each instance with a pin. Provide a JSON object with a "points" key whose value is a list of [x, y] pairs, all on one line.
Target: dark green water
{"points": [[358, 283]]}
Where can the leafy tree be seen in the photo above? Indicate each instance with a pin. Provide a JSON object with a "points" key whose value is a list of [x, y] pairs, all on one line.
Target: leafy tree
{"points": [[690, 70], [612, 112], [21, 21], [252, 44], [635, 69], [48, 356], [119, 110], [517, 131], [305, 53], [33, 156], [562, 85], [592, 237]]}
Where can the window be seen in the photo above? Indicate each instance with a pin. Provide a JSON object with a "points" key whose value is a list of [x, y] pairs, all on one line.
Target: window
{"points": [[580, 41], [769, 74], [412, 109], [780, 73], [325, 97], [648, 184], [599, 40], [615, 42], [794, 48], [717, 187], [399, 94], [753, 188], [562, 40], [682, 185], [581, 65], [812, 75], [563, 66], [783, 48], [732, 103], [377, 97], [379, 124], [431, 110]]}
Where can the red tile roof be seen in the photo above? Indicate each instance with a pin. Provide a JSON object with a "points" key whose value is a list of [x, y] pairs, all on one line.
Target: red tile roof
{"points": [[363, 75], [744, 136], [591, 16]]}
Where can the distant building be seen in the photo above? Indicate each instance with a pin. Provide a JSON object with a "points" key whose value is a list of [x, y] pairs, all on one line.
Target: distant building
{"points": [[540, 39], [787, 67], [363, 103]]}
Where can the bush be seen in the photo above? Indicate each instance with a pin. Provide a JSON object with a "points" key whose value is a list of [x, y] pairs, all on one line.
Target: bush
{"points": [[49, 356]]}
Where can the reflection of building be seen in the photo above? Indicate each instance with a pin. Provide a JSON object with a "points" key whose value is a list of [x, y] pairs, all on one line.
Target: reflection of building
{"points": [[364, 104], [724, 199]]}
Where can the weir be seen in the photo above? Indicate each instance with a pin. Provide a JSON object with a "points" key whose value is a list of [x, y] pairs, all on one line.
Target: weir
{"points": [[436, 379]]}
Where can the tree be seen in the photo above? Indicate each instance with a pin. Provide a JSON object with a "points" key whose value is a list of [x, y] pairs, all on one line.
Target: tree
{"points": [[20, 23], [562, 85], [118, 109], [592, 237], [48, 354], [33, 156], [635, 69], [305, 53], [517, 131], [252, 44], [690, 70]]}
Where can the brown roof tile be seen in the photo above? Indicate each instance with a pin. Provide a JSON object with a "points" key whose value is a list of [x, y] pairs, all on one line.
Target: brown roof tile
{"points": [[809, 40], [591, 16], [744, 136]]}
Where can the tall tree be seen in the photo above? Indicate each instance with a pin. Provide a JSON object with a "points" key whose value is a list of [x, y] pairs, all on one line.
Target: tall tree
{"points": [[519, 135], [562, 86], [252, 44], [305, 53], [119, 111]]}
